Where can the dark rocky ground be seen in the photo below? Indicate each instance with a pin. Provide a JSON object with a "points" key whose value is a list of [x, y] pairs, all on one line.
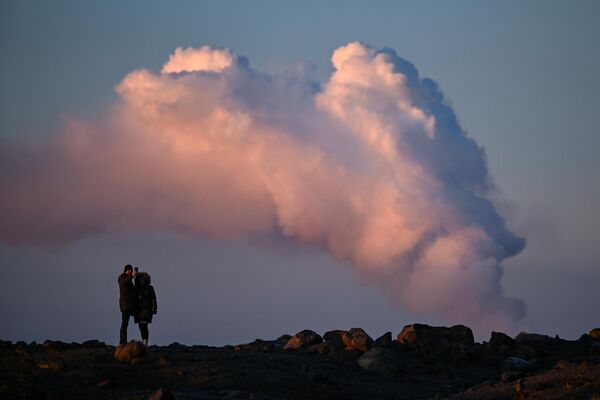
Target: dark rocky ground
{"points": [[421, 363]]}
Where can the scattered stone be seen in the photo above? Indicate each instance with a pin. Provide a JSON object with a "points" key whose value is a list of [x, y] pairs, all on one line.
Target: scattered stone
{"points": [[54, 365], [303, 339], [335, 339], [380, 361], [434, 338], [162, 394], [132, 352], [384, 340], [358, 339]]}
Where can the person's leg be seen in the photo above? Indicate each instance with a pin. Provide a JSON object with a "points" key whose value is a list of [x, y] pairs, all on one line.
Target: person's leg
{"points": [[124, 322], [144, 332]]}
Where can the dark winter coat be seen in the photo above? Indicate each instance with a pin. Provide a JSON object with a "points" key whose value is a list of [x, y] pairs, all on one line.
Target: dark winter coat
{"points": [[146, 305], [126, 293]]}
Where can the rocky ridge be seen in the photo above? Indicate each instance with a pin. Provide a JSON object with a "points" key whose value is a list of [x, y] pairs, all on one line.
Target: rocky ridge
{"points": [[422, 362]]}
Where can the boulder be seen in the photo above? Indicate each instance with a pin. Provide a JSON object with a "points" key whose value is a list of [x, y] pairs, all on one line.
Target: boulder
{"points": [[384, 340], [500, 340], [433, 338], [358, 339], [132, 352], [284, 338], [534, 339], [335, 339], [303, 339], [595, 333], [380, 361], [501, 345]]}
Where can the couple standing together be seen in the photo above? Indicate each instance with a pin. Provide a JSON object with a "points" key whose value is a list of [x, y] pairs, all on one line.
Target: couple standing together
{"points": [[137, 299]]}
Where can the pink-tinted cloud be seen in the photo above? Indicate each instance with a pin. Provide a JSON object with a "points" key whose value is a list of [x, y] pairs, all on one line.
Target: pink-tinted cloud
{"points": [[372, 166]]}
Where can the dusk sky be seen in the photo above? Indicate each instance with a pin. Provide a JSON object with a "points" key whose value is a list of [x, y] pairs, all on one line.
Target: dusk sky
{"points": [[279, 166]]}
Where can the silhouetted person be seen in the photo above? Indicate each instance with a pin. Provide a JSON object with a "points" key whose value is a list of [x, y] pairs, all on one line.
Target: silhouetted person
{"points": [[126, 299], [146, 305]]}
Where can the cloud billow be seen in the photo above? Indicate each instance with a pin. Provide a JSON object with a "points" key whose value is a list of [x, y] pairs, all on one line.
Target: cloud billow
{"points": [[372, 166]]}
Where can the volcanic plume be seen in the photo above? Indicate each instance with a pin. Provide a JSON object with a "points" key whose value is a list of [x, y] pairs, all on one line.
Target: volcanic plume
{"points": [[371, 166]]}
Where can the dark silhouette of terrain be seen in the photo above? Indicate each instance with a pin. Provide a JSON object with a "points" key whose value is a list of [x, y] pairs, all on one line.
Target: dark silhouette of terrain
{"points": [[422, 362]]}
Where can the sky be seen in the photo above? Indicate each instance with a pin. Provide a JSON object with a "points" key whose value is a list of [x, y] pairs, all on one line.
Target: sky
{"points": [[520, 77]]}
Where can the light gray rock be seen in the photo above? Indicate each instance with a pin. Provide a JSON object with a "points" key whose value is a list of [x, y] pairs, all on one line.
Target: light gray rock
{"points": [[516, 364], [380, 361]]}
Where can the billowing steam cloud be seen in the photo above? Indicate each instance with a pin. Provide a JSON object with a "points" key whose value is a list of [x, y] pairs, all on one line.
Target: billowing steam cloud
{"points": [[372, 166]]}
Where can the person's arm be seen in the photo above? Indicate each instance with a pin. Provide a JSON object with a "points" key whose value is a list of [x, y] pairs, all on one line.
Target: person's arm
{"points": [[154, 304], [124, 279]]}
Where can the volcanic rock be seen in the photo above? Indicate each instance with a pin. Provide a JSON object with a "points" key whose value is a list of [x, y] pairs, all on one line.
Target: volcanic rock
{"points": [[335, 339], [501, 344], [534, 339], [500, 340], [384, 340], [358, 339], [284, 338], [432, 338], [132, 352], [380, 361], [303, 339]]}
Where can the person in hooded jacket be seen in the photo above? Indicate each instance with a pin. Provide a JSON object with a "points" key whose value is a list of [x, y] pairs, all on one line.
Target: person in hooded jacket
{"points": [[146, 305]]}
